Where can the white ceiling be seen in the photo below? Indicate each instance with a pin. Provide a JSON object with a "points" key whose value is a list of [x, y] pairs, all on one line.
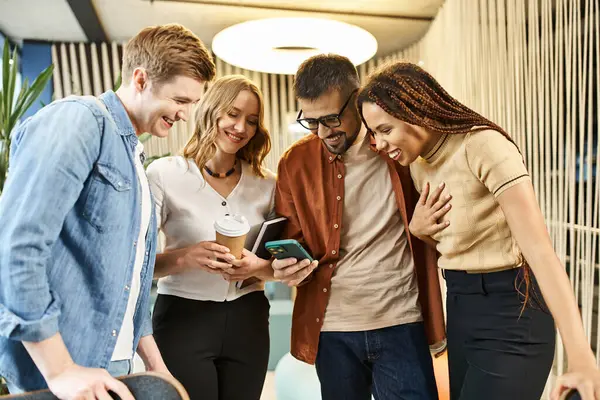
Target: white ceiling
{"points": [[53, 20]]}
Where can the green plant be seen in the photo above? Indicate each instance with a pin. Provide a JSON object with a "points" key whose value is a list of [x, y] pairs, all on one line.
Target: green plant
{"points": [[12, 110], [3, 388]]}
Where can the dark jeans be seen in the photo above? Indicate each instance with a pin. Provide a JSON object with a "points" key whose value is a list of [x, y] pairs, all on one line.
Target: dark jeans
{"points": [[391, 363], [494, 351], [217, 350]]}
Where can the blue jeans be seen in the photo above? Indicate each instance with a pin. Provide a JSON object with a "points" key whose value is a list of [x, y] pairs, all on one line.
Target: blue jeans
{"points": [[115, 368], [391, 363]]}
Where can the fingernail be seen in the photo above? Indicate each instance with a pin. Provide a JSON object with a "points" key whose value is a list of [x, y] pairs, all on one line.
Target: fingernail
{"points": [[447, 206], [447, 223], [442, 185], [448, 197]]}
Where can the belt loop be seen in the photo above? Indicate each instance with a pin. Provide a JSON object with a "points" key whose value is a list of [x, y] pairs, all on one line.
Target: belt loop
{"points": [[444, 274]]}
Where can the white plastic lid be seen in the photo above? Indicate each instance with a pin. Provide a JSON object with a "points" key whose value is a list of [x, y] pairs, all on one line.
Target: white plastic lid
{"points": [[232, 225]]}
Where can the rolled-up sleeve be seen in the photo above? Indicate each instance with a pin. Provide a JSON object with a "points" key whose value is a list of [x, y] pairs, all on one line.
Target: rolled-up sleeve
{"points": [[51, 157]]}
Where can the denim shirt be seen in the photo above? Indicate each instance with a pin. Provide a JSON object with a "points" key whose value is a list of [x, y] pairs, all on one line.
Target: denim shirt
{"points": [[70, 216]]}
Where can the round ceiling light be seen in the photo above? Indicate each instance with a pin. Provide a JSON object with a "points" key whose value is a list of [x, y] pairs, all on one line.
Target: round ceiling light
{"points": [[280, 45]]}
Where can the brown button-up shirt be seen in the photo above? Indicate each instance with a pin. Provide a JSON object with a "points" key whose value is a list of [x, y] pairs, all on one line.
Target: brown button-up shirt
{"points": [[310, 192]]}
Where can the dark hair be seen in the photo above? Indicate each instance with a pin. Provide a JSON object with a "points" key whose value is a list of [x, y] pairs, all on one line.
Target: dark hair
{"points": [[324, 72], [408, 93]]}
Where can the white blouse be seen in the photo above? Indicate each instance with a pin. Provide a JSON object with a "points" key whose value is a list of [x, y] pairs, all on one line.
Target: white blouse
{"points": [[187, 207]]}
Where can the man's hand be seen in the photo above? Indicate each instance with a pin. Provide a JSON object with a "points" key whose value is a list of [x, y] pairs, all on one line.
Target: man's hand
{"points": [[68, 380], [292, 272], [249, 266], [77, 383]]}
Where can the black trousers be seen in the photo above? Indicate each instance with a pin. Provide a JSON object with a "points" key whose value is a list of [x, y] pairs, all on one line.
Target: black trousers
{"points": [[494, 350], [217, 350]]}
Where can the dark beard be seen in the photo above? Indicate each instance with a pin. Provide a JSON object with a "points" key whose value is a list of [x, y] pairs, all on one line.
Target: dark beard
{"points": [[346, 143]]}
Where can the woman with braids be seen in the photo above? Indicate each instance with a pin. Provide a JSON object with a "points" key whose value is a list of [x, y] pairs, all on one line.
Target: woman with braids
{"points": [[491, 237]]}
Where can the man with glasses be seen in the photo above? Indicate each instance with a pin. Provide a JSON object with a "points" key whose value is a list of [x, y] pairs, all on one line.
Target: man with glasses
{"points": [[364, 312]]}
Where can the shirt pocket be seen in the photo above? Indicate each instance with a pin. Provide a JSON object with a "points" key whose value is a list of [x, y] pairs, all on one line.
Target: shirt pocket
{"points": [[106, 202]]}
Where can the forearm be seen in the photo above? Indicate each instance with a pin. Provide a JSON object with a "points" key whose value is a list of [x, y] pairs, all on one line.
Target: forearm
{"points": [[149, 353], [50, 356], [169, 263], [558, 294], [428, 240]]}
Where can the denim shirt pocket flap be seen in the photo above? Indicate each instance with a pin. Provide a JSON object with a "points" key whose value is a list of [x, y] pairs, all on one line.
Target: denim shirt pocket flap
{"points": [[107, 195], [114, 177]]}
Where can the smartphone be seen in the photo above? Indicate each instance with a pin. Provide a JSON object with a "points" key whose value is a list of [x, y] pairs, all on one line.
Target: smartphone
{"points": [[288, 248]]}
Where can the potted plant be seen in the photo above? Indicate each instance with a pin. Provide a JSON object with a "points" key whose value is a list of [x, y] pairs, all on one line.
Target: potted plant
{"points": [[12, 109]]}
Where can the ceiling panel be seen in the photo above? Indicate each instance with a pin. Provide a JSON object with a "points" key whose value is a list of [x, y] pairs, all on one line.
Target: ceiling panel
{"points": [[414, 8], [50, 20], [124, 18], [53, 20]]}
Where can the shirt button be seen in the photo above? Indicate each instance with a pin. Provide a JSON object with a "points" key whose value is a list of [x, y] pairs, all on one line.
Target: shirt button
{"points": [[333, 252], [318, 319], [134, 244], [336, 226], [340, 176], [127, 288], [114, 332], [330, 265], [224, 203], [325, 290], [339, 198], [330, 158]]}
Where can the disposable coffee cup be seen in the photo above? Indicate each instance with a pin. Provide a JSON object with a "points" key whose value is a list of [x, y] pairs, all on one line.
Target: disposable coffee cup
{"points": [[231, 232]]}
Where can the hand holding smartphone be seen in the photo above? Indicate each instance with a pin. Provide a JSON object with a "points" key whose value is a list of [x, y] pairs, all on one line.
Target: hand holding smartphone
{"points": [[289, 248], [292, 262]]}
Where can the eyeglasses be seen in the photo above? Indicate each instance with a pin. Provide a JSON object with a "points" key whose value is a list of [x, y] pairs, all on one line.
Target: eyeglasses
{"points": [[329, 121]]}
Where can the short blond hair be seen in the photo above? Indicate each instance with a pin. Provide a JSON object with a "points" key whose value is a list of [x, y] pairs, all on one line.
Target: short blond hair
{"points": [[166, 51], [217, 102]]}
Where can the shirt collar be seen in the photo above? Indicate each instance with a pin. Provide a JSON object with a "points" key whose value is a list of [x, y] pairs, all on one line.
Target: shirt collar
{"points": [[117, 110]]}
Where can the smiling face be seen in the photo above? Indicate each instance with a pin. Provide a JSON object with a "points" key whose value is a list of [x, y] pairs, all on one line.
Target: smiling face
{"points": [[402, 141], [238, 125], [160, 106], [337, 139]]}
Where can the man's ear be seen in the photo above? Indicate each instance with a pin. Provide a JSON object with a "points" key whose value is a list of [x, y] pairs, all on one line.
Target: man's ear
{"points": [[140, 79]]}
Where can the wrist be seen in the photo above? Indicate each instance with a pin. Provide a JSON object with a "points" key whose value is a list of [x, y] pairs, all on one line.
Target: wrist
{"points": [[50, 356], [153, 363], [265, 272], [582, 360], [58, 369]]}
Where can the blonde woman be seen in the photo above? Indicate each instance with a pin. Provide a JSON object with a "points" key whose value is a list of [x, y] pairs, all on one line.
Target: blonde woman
{"points": [[213, 335]]}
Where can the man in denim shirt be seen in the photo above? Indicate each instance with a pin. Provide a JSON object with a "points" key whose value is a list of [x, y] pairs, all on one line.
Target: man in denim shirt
{"points": [[78, 236]]}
